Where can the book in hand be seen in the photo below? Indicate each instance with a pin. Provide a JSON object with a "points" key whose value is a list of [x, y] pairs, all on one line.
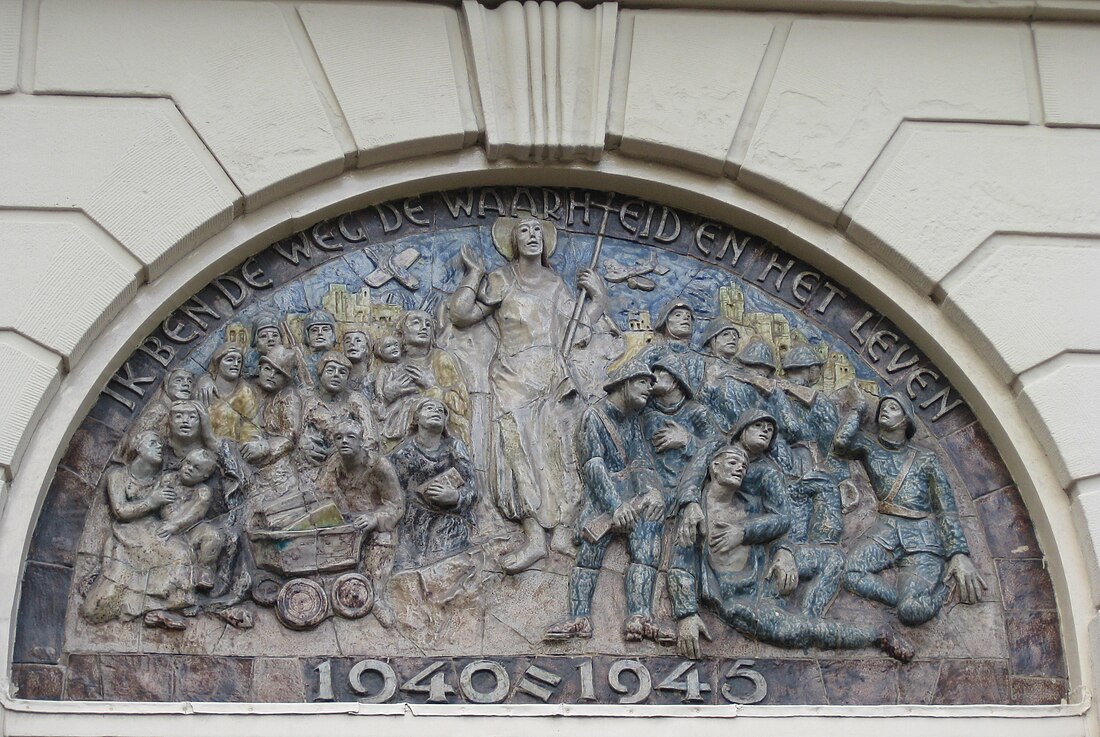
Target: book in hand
{"points": [[451, 479]]}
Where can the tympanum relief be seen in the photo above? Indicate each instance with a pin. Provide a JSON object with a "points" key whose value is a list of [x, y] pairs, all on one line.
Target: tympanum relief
{"points": [[534, 445]]}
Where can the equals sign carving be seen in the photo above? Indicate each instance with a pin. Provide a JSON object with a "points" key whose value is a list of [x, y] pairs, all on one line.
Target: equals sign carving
{"points": [[535, 681]]}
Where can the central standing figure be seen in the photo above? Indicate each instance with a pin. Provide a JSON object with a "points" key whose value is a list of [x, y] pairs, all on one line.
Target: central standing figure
{"points": [[531, 307]]}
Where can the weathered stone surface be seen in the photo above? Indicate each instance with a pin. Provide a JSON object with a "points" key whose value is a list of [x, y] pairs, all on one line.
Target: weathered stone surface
{"points": [[820, 132], [1036, 644], [972, 682], [399, 74], [1012, 296], [1008, 527], [37, 681], [214, 679], [544, 76], [685, 101], [49, 257], [43, 601], [1059, 401], [33, 376], [11, 15], [247, 92], [116, 151], [63, 515], [1065, 53], [1024, 585], [923, 210]]}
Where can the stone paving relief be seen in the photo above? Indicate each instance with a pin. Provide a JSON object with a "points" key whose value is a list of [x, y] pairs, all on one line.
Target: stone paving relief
{"points": [[524, 445]]}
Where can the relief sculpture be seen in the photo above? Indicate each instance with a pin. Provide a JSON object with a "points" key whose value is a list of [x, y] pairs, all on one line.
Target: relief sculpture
{"points": [[502, 466]]}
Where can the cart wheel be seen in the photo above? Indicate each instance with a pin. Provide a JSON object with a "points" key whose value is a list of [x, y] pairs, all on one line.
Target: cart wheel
{"points": [[265, 590], [301, 604], [352, 596]]}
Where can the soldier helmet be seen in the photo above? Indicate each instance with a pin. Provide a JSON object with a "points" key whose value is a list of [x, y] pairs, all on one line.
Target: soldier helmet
{"points": [[283, 359], [716, 327], [333, 357], [749, 416], [264, 320], [679, 370], [224, 350], [757, 352], [627, 371], [662, 316], [906, 407], [801, 356], [319, 317]]}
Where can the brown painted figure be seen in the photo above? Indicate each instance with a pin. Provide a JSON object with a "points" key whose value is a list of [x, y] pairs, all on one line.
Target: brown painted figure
{"points": [[231, 400], [142, 574], [275, 495], [435, 470], [365, 488], [323, 408], [918, 526], [357, 349], [422, 371], [184, 514], [530, 307]]}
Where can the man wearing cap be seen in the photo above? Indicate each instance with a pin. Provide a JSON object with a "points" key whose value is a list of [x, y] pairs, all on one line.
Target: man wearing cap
{"points": [[319, 330], [725, 538], [674, 328], [274, 496], [266, 334], [725, 390], [808, 420], [676, 426], [619, 481], [918, 525], [326, 405]]}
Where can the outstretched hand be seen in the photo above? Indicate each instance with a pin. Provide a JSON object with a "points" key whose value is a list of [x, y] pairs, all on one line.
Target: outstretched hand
{"points": [[471, 261], [688, 631], [690, 525], [784, 571], [969, 582]]}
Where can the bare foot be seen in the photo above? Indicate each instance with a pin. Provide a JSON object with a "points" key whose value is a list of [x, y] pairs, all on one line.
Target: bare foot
{"points": [[165, 620], [532, 552]]}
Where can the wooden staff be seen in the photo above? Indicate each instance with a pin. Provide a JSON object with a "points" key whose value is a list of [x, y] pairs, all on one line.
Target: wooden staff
{"points": [[571, 331]]}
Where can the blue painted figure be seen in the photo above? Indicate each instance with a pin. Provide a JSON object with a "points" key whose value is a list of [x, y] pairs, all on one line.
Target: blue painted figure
{"points": [[727, 533], [619, 485], [725, 390], [674, 328], [808, 420], [918, 526], [676, 426]]}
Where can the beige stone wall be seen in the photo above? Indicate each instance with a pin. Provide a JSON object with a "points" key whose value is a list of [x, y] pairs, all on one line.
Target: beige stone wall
{"points": [[941, 157]]}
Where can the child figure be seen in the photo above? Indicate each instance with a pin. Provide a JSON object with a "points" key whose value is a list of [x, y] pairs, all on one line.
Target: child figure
{"points": [[185, 513], [388, 353]]}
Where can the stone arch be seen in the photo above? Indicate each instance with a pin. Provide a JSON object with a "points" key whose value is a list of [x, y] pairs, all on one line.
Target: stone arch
{"points": [[835, 255]]}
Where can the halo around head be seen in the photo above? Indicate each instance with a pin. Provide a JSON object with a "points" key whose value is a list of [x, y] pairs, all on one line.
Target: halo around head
{"points": [[502, 236]]}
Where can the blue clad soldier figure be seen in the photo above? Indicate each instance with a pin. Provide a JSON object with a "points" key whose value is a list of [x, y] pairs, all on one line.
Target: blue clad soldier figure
{"points": [[808, 419], [918, 525], [676, 426], [725, 390], [619, 486], [727, 533], [674, 328]]}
